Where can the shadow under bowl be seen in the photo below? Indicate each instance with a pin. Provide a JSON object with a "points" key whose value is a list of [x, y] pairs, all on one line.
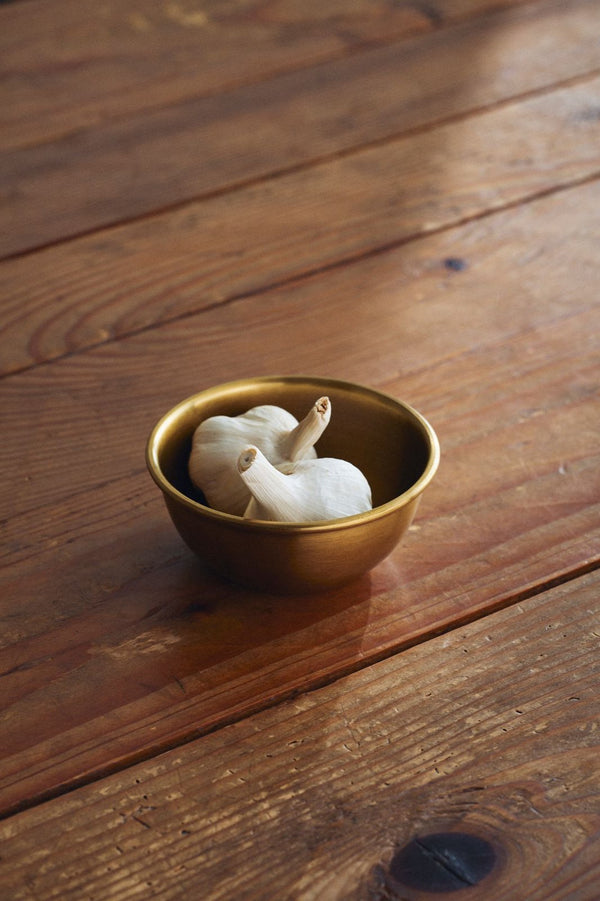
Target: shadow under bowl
{"points": [[393, 445]]}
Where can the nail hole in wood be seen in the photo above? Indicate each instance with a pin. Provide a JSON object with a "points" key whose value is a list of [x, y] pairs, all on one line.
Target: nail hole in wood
{"points": [[455, 264], [442, 862]]}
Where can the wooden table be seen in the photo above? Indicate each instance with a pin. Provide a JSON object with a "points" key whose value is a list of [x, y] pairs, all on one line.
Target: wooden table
{"points": [[405, 195]]}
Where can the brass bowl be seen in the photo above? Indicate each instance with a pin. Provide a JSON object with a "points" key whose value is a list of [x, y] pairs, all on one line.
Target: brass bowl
{"points": [[391, 443]]}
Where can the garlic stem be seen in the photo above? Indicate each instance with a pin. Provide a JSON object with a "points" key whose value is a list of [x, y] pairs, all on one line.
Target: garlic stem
{"points": [[270, 488], [308, 432]]}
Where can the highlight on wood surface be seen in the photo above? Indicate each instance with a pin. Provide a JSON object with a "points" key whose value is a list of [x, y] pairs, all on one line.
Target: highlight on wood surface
{"points": [[113, 581]]}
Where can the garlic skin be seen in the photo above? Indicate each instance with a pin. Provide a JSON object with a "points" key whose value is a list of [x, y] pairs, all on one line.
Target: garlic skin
{"points": [[217, 443], [305, 491]]}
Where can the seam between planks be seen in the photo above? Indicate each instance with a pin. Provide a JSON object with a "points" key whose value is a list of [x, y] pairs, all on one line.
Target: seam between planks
{"points": [[435, 21], [297, 278], [194, 735], [313, 162], [141, 470]]}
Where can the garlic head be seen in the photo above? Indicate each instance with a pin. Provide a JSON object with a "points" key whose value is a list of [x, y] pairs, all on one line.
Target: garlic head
{"points": [[305, 491], [217, 443]]}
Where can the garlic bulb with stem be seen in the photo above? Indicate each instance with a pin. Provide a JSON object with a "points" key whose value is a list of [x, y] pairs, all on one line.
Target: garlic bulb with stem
{"points": [[305, 491], [218, 440]]}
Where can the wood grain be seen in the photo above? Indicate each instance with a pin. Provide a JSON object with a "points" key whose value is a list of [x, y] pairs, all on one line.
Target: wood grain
{"points": [[132, 277], [128, 167], [100, 406], [54, 79], [90, 64], [311, 800], [133, 646], [403, 194]]}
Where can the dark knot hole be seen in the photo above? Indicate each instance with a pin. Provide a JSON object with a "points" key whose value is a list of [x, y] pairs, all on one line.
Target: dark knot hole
{"points": [[443, 862]]}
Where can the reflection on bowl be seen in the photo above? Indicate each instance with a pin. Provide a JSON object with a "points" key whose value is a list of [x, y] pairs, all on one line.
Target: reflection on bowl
{"points": [[388, 440]]}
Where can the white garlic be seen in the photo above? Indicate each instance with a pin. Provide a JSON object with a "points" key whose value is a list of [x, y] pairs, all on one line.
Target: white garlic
{"points": [[305, 491], [218, 440]]}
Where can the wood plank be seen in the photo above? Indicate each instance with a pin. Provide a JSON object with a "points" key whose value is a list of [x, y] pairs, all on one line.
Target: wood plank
{"points": [[132, 166], [489, 730], [97, 586], [91, 290], [55, 80]]}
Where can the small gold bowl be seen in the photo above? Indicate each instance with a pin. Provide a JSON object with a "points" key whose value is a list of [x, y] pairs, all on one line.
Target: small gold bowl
{"points": [[388, 440]]}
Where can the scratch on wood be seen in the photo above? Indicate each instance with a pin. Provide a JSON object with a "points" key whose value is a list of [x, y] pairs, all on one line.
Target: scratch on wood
{"points": [[195, 18], [145, 643]]}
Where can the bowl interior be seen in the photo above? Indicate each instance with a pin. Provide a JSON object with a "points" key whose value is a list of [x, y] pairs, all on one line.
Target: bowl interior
{"points": [[387, 440]]}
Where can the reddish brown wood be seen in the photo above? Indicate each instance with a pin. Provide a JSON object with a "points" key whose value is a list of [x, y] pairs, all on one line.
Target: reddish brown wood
{"points": [[113, 627], [489, 730], [518, 277], [132, 277], [401, 194], [75, 65], [63, 72], [130, 166]]}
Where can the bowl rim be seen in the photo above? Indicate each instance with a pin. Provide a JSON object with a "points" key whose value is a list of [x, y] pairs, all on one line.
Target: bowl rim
{"points": [[382, 510]]}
